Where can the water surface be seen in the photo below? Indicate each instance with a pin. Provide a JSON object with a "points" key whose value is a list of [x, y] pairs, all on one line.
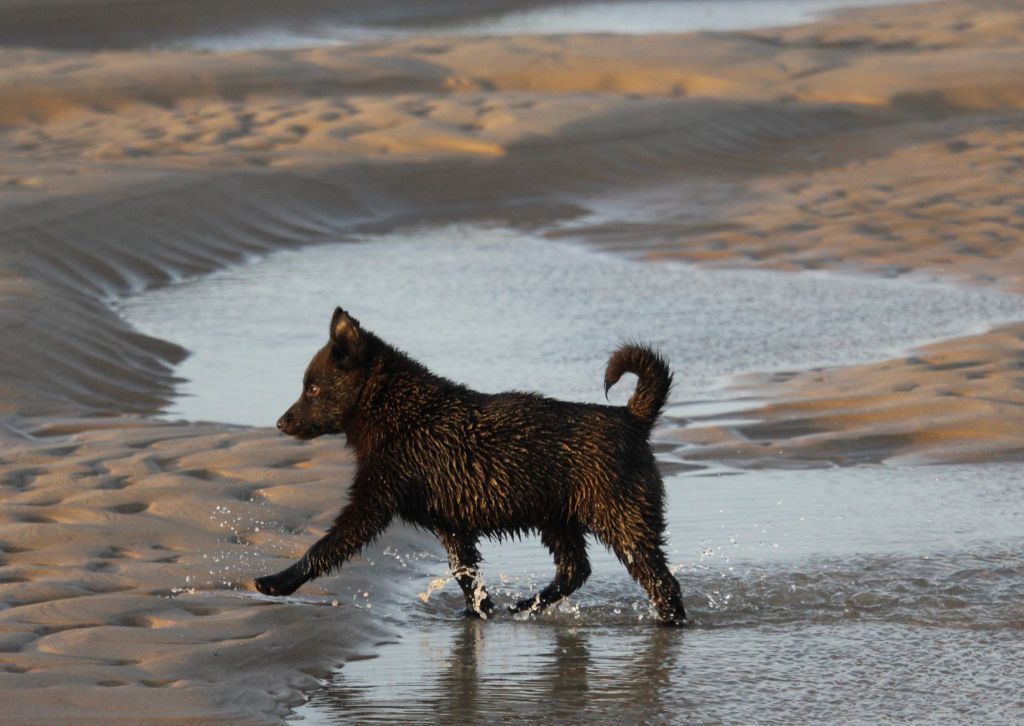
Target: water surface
{"points": [[499, 309], [630, 18], [863, 594], [664, 16]]}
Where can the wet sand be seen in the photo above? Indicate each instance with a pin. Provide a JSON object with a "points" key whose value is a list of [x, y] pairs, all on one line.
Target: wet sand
{"points": [[887, 142]]}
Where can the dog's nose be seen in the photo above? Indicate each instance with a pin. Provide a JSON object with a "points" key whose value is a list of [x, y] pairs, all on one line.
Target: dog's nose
{"points": [[280, 424]]}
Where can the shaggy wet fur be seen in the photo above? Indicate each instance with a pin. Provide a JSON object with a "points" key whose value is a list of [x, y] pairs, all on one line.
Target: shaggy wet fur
{"points": [[465, 464]]}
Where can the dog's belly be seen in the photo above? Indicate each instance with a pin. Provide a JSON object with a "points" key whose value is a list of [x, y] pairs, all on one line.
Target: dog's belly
{"points": [[485, 512]]}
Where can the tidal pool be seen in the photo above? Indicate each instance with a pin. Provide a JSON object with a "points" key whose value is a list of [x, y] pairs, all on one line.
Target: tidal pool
{"points": [[863, 594]]}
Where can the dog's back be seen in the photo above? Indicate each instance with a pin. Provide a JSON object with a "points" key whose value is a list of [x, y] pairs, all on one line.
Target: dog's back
{"points": [[511, 462]]}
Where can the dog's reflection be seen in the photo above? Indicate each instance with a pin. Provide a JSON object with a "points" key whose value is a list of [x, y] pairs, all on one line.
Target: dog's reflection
{"points": [[474, 672]]}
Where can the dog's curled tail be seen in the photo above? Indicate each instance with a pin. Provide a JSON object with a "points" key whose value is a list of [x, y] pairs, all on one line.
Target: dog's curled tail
{"points": [[655, 379]]}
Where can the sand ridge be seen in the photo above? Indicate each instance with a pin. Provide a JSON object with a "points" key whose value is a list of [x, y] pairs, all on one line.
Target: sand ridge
{"points": [[886, 142], [444, 96]]}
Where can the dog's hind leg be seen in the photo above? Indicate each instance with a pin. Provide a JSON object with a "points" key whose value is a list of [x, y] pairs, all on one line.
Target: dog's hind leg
{"points": [[637, 543], [464, 561], [572, 568], [649, 568]]}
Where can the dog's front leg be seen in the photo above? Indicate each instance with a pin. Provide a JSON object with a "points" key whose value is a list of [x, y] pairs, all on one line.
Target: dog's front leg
{"points": [[359, 523], [464, 562]]}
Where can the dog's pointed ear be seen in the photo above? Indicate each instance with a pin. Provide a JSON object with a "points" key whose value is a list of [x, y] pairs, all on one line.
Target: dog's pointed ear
{"points": [[346, 336]]}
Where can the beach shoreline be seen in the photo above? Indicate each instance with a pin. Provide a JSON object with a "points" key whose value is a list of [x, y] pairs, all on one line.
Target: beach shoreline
{"points": [[885, 144]]}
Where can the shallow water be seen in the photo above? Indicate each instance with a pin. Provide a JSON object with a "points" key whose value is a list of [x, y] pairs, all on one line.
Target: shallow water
{"points": [[498, 310], [859, 672], [844, 595], [862, 594], [631, 18], [666, 16]]}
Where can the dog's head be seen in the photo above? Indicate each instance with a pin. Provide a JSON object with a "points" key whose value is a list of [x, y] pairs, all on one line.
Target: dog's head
{"points": [[333, 382]]}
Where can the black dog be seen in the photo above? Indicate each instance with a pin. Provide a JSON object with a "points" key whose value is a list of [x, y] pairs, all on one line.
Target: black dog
{"points": [[464, 464]]}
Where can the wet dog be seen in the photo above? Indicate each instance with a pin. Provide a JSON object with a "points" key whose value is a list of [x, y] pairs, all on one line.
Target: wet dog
{"points": [[465, 464]]}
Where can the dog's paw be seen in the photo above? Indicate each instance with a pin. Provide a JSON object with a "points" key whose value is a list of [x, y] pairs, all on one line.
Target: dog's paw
{"points": [[531, 604], [483, 612], [272, 585], [675, 622], [279, 585]]}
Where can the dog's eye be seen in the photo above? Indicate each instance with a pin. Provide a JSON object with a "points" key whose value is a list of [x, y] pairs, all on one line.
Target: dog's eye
{"points": [[313, 391]]}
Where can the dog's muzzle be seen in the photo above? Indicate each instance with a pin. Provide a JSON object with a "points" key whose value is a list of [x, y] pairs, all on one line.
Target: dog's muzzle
{"points": [[288, 425]]}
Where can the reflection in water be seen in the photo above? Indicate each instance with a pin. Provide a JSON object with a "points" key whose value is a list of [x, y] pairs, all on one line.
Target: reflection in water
{"points": [[875, 669], [474, 672]]}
